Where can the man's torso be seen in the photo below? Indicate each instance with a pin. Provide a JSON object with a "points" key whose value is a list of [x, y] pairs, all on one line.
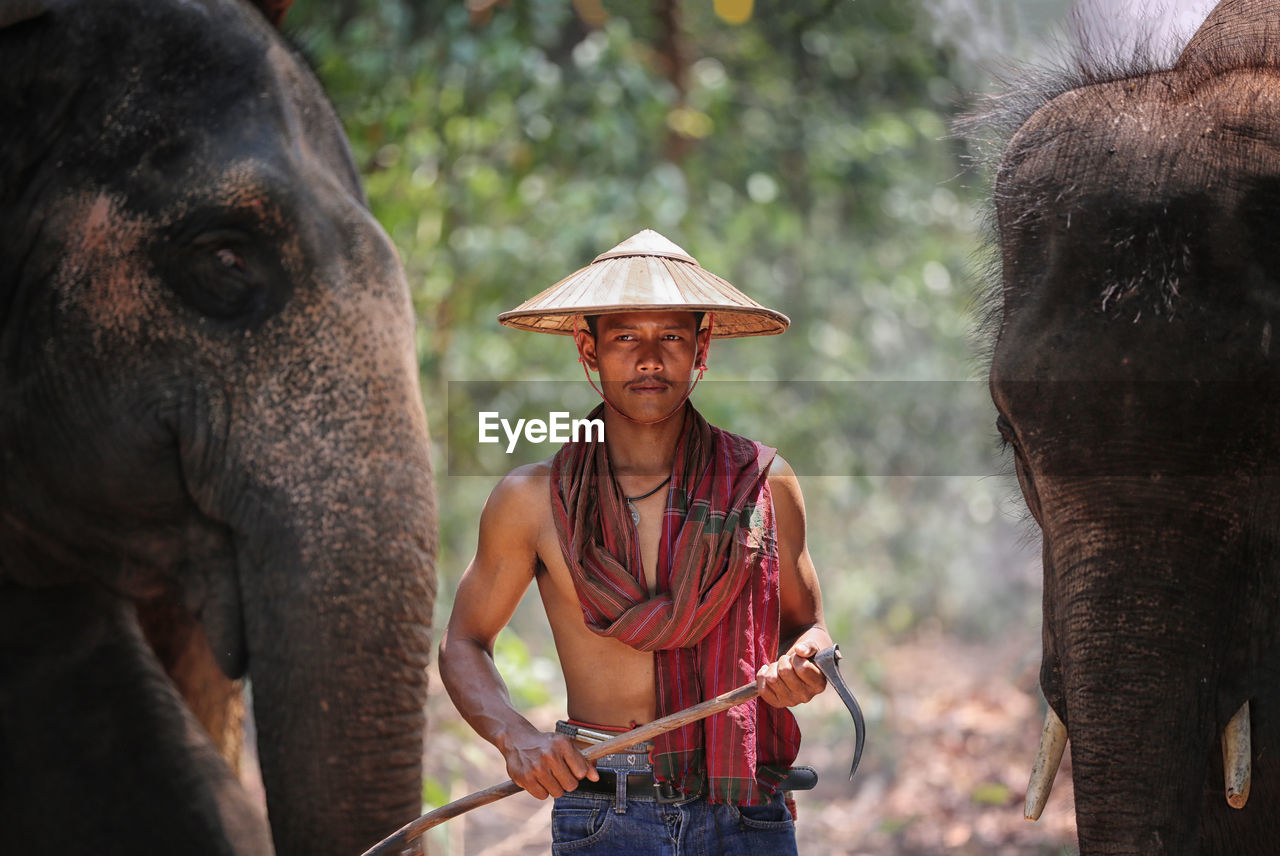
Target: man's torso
{"points": [[608, 682]]}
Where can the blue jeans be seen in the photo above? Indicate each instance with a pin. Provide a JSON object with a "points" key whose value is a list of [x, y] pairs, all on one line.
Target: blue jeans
{"points": [[587, 825]]}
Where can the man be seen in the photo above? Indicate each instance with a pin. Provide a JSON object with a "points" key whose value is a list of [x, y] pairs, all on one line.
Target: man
{"points": [[672, 565]]}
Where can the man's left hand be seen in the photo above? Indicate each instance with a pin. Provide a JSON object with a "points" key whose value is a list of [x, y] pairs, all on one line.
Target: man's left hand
{"points": [[794, 679]]}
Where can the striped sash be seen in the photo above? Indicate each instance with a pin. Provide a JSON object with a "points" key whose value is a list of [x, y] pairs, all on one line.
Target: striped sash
{"points": [[714, 620]]}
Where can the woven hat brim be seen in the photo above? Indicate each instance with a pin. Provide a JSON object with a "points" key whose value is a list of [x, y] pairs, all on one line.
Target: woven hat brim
{"points": [[644, 283]]}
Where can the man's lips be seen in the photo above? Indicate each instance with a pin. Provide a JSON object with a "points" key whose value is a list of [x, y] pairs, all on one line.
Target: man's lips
{"points": [[649, 385]]}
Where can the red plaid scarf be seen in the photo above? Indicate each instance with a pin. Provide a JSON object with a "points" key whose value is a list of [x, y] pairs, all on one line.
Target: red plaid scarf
{"points": [[713, 622]]}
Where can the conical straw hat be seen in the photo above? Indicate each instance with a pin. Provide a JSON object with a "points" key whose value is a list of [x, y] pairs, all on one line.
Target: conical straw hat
{"points": [[646, 271]]}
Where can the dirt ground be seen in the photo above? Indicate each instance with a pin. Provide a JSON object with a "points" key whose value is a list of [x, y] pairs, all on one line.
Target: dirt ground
{"points": [[952, 731]]}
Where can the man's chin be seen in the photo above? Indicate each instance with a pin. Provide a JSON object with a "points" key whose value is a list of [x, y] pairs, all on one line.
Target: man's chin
{"points": [[648, 407]]}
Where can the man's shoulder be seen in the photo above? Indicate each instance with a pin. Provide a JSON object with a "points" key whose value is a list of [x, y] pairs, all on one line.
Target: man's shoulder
{"points": [[518, 511], [778, 472], [777, 468], [784, 487], [530, 472], [780, 469], [740, 445], [527, 482]]}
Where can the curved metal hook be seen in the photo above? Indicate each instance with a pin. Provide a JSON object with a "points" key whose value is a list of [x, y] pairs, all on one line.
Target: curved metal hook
{"points": [[828, 660]]}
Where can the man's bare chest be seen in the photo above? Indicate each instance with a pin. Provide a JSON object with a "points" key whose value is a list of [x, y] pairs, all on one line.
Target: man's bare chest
{"points": [[648, 522]]}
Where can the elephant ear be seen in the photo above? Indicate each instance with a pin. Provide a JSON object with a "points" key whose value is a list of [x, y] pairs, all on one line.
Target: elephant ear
{"points": [[16, 11], [274, 10], [1237, 34]]}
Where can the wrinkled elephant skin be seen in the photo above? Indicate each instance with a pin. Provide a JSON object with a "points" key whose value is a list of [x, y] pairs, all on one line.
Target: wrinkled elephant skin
{"points": [[1136, 384], [209, 412]]}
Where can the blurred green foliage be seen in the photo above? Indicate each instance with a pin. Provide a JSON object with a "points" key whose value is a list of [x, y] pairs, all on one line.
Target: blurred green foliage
{"points": [[803, 154]]}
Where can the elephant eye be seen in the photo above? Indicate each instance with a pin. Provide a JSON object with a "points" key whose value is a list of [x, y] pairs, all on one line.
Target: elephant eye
{"points": [[230, 260], [219, 275], [1007, 437], [225, 264]]}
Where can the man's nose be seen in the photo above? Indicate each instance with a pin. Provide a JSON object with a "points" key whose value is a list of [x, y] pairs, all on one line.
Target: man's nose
{"points": [[650, 359]]}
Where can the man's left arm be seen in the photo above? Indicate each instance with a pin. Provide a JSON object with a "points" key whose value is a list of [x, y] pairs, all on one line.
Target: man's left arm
{"points": [[793, 679]]}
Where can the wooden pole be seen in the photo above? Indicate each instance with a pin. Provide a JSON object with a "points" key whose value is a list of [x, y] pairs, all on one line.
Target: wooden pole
{"points": [[407, 840]]}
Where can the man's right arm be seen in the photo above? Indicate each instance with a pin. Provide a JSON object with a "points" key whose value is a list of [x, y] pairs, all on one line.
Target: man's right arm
{"points": [[488, 593]]}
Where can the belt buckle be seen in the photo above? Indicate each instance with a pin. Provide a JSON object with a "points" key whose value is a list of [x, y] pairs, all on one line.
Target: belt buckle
{"points": [[666, 793]]}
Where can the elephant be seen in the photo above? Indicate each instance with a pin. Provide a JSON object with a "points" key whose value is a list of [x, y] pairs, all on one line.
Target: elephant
{"points": [[214, 456], [1135, 297]]}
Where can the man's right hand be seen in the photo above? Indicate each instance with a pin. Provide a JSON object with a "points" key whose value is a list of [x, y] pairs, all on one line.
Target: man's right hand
{"points": [[547, 765]]}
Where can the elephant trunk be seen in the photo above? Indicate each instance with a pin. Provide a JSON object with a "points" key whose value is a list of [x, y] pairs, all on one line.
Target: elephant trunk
{"points": [[1139, 750], [337, 629], [322, 469], [1133, 665]]}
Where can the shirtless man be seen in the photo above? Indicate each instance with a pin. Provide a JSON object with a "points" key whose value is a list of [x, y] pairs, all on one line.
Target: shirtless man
{"points": [[646, 361]]}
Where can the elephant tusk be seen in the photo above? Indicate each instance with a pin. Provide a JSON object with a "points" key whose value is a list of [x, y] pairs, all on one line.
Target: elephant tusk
{"points": [[1237, 757], [1053, 740]]}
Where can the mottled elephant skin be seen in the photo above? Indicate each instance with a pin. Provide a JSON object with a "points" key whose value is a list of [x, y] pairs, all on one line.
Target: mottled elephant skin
{"points": [[213, 445], [1138, 302]]}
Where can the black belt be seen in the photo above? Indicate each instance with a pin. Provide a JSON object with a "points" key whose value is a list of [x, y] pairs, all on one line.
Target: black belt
{"points": [[641, 784]]}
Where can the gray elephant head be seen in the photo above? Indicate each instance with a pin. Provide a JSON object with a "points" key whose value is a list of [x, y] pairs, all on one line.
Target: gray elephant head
{"points": [[208, 395], [1135, 383]]}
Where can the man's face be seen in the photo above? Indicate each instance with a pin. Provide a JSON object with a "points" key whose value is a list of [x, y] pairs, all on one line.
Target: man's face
{"points": [[646, 360]]}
